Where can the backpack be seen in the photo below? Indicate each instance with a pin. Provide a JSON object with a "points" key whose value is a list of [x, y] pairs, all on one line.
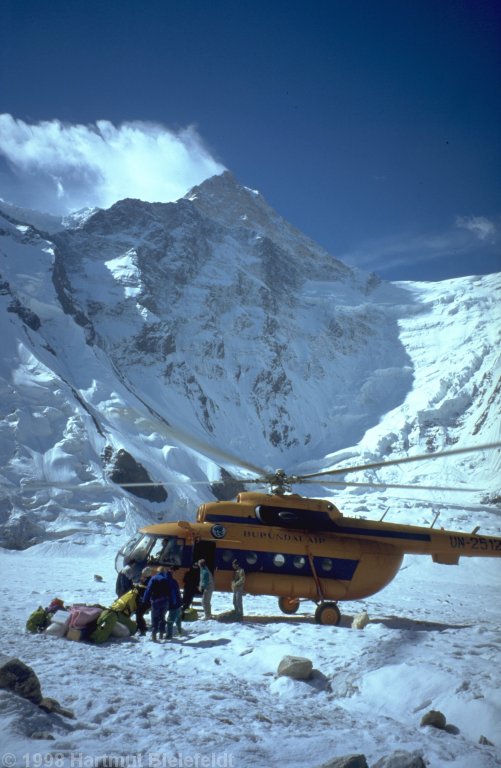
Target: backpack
{"points": [[38, 620], [190, 614]]}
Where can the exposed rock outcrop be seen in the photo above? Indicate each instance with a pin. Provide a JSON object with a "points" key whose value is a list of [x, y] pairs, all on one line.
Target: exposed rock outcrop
{"points": [[296, 667], [20, 679]]}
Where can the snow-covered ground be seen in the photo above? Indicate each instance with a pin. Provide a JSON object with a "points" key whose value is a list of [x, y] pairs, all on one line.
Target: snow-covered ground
{"points": [[433, 642]]}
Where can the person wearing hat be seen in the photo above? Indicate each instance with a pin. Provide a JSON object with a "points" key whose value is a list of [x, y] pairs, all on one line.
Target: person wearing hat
{"points": [[237, 587]]}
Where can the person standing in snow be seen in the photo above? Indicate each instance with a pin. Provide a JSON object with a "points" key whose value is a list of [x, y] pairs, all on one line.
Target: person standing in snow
{"points": [[237, 587], [175, 604], [191, 580], [206, 587], [157, 594], [142, 607]]}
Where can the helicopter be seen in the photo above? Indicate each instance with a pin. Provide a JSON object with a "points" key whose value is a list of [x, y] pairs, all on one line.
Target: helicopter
{"points": [[298, 548]]}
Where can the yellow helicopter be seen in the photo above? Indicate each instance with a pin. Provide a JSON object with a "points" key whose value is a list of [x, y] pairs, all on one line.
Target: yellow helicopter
{"points": [[299, 548]]}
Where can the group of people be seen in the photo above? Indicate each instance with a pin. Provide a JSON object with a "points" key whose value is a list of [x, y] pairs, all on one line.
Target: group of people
{"points": [[162, 593], [159, 592]]}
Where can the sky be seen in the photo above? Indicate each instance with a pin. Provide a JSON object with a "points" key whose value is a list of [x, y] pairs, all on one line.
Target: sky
{"points": [[374, 128]]}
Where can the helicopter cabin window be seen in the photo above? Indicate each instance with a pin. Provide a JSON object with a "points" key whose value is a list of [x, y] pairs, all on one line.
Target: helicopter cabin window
{"points": [[299, 562], [139, 549], [124, 554], [228, 556], [169, 549], [127, 548], [326, 564], [279, 561], [251, 558]]}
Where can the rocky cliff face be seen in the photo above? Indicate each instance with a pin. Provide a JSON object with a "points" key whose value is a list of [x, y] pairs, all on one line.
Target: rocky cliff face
{"points": [[226, 305], [186, 333]]}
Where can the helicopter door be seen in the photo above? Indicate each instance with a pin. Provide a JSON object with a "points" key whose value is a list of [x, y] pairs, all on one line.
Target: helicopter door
{"points": [[205, 550]]}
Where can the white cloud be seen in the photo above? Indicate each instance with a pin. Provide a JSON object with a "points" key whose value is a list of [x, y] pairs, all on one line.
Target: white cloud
{"points": [[58, 167], [479, 225], [403, 249]]}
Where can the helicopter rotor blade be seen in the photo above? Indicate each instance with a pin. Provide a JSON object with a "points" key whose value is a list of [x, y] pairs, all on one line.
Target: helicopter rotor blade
{"points": [[158, 424], [225, 457], [267, 478], [402, 486], [404, 460], [112, 486]]}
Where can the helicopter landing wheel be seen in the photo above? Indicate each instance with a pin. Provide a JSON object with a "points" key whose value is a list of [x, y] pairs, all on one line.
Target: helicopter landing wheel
{"points": [[328, 613], [288, 605]]}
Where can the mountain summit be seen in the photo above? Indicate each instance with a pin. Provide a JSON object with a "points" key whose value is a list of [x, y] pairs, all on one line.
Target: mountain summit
{"points": [[180, 335], [228, 309]]}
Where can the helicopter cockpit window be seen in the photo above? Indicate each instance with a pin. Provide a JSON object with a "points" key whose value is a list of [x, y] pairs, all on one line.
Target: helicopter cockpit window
{"points": [[279, 561], [136, 549], [127, 548], [326, 564], [299, 562], [141, 549], [169, 549], [123, 554], [251, 558]]}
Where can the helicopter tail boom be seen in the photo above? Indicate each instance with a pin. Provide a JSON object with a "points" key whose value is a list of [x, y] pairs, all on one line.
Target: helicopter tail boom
{"points": [[445, 547]]}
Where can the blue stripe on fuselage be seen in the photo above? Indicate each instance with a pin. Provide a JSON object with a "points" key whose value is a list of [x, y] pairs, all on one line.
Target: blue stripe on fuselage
{"points": [[332, 527], [326, 567]]}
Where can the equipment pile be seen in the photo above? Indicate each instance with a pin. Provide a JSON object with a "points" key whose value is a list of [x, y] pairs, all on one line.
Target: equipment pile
{"points": [[94, 623]]}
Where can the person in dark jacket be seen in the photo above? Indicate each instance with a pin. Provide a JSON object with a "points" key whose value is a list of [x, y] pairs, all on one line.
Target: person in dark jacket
{"points": [[142, 607], [157, 594], [191, 580], [175, 605]]}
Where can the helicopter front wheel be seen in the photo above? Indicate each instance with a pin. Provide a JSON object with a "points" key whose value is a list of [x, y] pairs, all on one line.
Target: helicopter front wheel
{"points": [[288, 605], [328, 613]]}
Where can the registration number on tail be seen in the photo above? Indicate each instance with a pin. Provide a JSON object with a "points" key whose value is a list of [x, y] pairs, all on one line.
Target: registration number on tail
{"points": [[478, 543]]}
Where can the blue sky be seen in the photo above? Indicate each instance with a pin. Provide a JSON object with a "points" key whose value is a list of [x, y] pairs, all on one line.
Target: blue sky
{"points": [[374, 126]]}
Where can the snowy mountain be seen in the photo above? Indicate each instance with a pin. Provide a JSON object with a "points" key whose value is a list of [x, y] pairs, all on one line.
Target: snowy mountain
{"points": [[159, 341], [204, 339], [45, 222]]}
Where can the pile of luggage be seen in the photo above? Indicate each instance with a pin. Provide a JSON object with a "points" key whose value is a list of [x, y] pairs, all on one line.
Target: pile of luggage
{"points": [[93, 623]]}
